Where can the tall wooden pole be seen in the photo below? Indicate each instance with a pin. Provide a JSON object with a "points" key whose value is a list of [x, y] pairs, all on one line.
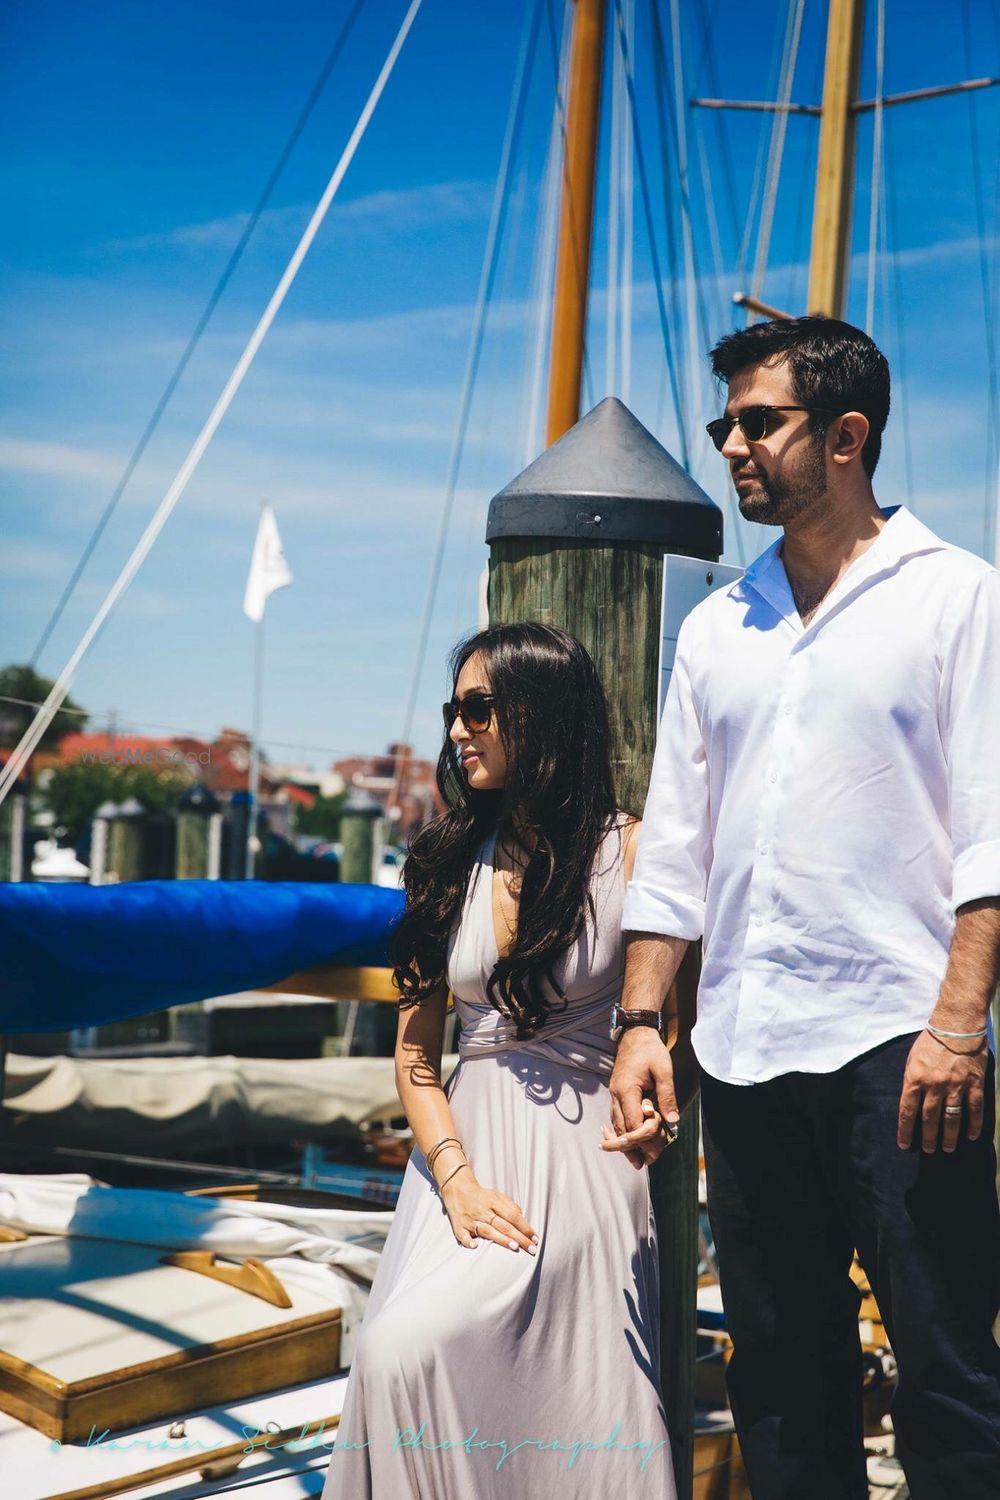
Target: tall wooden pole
{"points": [[835, 166], [576, 220], [577, 540]]}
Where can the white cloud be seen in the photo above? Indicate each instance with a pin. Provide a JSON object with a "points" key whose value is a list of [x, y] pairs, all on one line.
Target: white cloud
{"points": [[23, 558], [57, 460], [394, 211]]}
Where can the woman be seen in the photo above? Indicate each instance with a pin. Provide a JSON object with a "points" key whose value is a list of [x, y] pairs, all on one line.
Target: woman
{"points": [[510, 1342]]}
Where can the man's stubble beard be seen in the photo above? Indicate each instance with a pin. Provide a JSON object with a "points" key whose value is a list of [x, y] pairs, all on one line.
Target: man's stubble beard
{"points": [[777, 501]]}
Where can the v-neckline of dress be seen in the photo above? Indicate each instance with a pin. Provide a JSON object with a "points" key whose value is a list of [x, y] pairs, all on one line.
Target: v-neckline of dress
{"points": [[491, 853]]}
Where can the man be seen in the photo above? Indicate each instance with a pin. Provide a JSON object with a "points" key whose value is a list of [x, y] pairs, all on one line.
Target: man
{"points": [[824, 811]]}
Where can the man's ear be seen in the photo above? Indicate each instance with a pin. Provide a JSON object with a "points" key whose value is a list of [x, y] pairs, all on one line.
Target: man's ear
{"points": [[849, 433]]}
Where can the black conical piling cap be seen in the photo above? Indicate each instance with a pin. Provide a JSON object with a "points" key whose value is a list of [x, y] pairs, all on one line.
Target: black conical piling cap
{"points": [[608, 480]]}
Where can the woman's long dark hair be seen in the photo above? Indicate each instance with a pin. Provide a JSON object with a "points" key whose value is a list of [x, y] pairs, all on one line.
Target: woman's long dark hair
{"points": [[552, 718]]}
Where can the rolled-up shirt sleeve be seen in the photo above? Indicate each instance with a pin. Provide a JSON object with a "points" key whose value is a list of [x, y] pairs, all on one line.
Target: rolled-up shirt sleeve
{"points": [[667, 891], [969, 718]]}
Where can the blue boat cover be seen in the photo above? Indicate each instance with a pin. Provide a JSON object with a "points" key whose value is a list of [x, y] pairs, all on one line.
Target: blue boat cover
{"points": [[82, 955]]}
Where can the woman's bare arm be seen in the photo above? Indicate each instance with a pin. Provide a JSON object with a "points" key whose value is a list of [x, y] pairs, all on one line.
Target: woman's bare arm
{"points": [[476, 1212], [419, 1044]]}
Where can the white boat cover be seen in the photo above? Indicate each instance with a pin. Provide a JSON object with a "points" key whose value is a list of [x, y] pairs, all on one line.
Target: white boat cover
{"points": [[331, 1250], [169, 1101]]}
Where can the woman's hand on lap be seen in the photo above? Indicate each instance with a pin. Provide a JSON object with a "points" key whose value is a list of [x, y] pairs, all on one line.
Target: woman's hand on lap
{"points": [[492, 1215]]}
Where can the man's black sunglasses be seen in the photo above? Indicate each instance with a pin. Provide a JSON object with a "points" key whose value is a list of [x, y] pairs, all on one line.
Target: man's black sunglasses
{"points": [[752, 422], [475, 711]]}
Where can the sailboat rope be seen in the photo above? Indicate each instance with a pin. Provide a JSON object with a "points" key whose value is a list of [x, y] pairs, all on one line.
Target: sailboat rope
{"points": [[779, 129], [876, 187], [544, 267], [763, 149], [19, 756], [618, 320], [658, 280], [991, 528], [487, 277], [691, 288]]}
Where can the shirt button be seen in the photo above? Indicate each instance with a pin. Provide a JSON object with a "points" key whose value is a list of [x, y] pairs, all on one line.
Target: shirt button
{"points": [[788, 708], [765, 848], [772, 776], [758, 921]]}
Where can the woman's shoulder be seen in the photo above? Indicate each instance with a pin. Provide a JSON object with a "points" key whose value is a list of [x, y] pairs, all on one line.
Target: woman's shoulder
{"points": [[630, 826], [620, 842]]}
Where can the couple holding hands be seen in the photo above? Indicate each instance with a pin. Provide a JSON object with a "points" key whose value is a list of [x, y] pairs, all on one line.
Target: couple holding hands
{"points": [[824, 815]]}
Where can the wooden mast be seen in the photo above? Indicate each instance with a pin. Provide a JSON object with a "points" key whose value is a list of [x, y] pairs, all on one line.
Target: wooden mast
{"points": [[576, 219], [835, 166]]}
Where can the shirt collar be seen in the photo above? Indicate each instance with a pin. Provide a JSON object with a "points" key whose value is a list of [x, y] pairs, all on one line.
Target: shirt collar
{"points": [[902, 536]]}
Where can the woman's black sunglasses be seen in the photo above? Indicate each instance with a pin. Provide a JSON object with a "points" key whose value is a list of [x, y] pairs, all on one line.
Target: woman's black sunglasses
{"points": [[475, 711], [752, 422]]}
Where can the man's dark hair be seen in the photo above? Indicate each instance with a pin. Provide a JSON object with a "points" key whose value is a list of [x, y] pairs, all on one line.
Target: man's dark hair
{"points": [[831, 363]]}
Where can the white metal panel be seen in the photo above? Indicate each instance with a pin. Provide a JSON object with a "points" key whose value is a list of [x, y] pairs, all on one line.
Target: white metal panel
{"points": [[686, 582]]}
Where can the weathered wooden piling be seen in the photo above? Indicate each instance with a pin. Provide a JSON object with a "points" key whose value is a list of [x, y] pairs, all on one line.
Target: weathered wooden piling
{"points": [[577, 540], [198, 819]]}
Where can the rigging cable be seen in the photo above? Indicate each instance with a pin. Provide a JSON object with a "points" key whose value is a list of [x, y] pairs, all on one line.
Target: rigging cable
{"points": [[799, 268], [618, 127], [60, 688], [664, 121], [697, 314], [875, 186], [993, 394], [758, 177], [578, 266], [687, 231], [714, 237], [487, 275], [620, 221], [995, 281], [640, 162], [707, 61], [891, 241], [543, 273], [202, 323], [677, 130], [208, 737], [776, 152], [628, 226]]}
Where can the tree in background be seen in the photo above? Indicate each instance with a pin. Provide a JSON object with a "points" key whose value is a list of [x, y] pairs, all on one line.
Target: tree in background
{"points": [[25, 684], [74, 793], [322, 820]]}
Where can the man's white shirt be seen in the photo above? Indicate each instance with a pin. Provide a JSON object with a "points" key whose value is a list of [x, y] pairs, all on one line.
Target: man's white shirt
{"points": [[823, 798]]}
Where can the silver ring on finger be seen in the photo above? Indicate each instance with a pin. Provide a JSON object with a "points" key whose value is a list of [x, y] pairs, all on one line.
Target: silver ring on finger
{"points": [[953, 1109]]}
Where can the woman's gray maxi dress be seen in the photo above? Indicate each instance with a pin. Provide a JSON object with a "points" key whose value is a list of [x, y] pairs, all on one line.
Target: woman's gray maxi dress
{"points": [[484, 1373]]}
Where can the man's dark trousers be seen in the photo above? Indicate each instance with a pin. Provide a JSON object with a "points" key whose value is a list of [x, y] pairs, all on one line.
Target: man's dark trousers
{"points": [[802, 1169]]}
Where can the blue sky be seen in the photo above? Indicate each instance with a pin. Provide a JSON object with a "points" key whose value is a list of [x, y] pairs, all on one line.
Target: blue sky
{"points": [[134, 138]]}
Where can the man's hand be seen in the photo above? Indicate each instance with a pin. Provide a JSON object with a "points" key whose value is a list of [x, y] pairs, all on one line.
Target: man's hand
{"points": [[642, 1067], [941, 1089]]}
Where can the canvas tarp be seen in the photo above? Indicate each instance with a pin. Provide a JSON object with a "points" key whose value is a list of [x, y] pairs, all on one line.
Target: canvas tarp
{"points": [[195, 1101]]}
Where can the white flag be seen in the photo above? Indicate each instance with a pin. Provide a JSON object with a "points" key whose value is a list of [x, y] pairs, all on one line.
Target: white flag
{"points": [[268, 568]]}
